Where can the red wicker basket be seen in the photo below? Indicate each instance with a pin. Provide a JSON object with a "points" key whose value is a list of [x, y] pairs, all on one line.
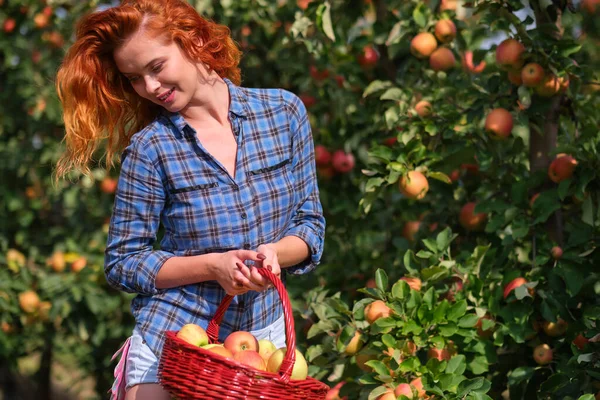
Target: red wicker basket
{"points": [[190, 372]]}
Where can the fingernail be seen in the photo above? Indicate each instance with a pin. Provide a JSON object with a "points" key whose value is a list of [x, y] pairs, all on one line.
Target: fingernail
{"points": [[261, 256]]}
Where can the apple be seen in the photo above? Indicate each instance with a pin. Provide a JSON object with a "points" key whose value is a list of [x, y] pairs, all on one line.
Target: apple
{"points": [[326, 172], [555, 329], [515, 77], [561, 168], [417, 383], [57, 261], [456, 285], [556, 252], [218, 349], [375, 310], [371, 283], [322, 156], [403, 389], [469, 220], [591, 6], [299, 370], [485, 334], [550, 86], [409, 348], [387, 395], [354, 345], [251, 358], [339, 80], [442, 59], [9, 25], [334, 392], [449, 5], [413, 283], [47, 11], [445, 30], [193, 334], [509, 54], [317, 74], [342, 162], [532, 74], [533, 199], [423, 109], [266, 348], [303, 4], [369, 57], [108, 185], [41, 20], [580, 341], [542, 354], [410, 230], [512, 285], [78, 264], [414, 185], [240, 341], [361, 360], [499, 123], [422, 45], [29, 301], [467, 63], [439, 354], [308, 100]]}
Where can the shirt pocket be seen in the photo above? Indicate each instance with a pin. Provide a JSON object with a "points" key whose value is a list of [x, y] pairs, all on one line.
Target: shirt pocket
{"points": [[273, 190], [197, 219]]}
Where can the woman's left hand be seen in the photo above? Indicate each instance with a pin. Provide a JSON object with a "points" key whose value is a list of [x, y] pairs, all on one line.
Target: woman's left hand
{"points": [[259, 282]]}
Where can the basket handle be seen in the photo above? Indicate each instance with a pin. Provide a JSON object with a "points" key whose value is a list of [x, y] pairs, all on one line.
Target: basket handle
{"points": [[287, 365]]}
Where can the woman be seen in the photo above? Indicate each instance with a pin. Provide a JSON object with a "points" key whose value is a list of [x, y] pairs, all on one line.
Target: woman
{"points": [[227, 171]]}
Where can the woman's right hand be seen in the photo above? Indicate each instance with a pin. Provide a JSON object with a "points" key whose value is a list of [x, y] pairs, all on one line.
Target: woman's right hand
{"points": [[231, 271]]}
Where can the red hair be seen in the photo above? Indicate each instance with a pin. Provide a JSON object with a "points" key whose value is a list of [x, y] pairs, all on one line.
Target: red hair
{"points": [[98, 101]]}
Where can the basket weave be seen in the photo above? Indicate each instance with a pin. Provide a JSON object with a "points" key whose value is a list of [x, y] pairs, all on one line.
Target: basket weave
{"points": [[190, 372]]}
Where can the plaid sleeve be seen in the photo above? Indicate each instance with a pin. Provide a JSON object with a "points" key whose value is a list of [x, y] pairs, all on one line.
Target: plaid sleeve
{"points": [[308, 222], [130, 263]]}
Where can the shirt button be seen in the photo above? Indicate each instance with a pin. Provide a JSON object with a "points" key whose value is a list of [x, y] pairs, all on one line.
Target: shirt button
{"points": [[244, 215], [236, 187], [246, 246]]}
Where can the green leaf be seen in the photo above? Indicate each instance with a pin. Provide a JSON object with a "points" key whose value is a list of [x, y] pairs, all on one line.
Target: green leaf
{"points": [[448, 330], [381, 279], [439, 314], [430, 244], [434, 274], [376, 86], [586, 397], [326, 22], [429, 297], [468, 321], [388, 340], [587, 211], [519, 375], [479, 365], [378, 367], [444, 238], [470, 385], [457, 310], [457, 365], [373, 183], [419, 16], [392, 94], [412, 327], [440, 176], [400, 290]]}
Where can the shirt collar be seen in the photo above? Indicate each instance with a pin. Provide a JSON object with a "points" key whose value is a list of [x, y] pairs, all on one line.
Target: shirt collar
{"points": [[237, 106]]}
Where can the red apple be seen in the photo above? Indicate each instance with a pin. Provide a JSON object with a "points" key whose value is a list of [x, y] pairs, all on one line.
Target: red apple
{"points": [[467, 62], [532, 74], [361, 360], [542, 354], [29, 301], [251, 358], [445, 30], [410, 230], [322, 156], [556, 252], [417, 383], [515, 283], [414, 185], [193, 334], [422, 45], [413, 283], [485, 334], [375, 310], [499, 123], [423, 109], [266, 348], [240, 341], [317, 74], [108, 185], [308, 100], [550, 86], [403, 389], [456, 285], [369, 57], [533, 199], [442, 59], [555, 329], [439, 354], [299, 370], [514, 77], [9, 25], [342, 162], [469, 220], [388, 395], [580, 341], [509, 54], [561, 168], [218, 349], [334, 393]]}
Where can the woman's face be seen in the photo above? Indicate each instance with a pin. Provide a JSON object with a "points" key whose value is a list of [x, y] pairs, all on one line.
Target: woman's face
{"points": [[158, 70]]}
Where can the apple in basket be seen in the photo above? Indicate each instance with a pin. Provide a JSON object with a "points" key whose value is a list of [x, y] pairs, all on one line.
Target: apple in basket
{"points": [[193, 334], [218, 349], [251, 358], [300, 369], [240, 341], [266, 348]]}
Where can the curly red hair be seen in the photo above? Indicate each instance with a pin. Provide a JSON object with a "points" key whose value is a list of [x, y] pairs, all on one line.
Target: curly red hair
{"points": [[98, 101]]}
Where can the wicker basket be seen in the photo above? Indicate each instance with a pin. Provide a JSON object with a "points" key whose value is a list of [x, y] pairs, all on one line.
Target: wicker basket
{"points": [[190, 372]]}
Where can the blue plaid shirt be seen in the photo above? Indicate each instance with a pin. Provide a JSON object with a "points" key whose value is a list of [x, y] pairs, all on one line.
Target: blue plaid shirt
{"points": [[168, 178]]}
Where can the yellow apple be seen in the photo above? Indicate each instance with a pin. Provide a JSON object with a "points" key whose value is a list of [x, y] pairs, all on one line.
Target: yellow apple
{"points": [[193, 334], [266, 348], [300, 369]]}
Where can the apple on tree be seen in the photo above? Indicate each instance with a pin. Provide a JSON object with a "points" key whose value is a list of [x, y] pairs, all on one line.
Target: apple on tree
{"points": [[561, 168], [469, 220], [414, 185], [442, 59], [499, 123], [410, 229], [375, 310], [445, 31], [423, 109], [422, 45], [542, 354], [369, 57], [342, 162], [467, 63], [532, 74], [509, 54], [413, 283]]}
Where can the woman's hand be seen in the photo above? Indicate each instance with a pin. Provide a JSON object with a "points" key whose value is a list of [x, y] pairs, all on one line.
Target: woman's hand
{"points": [[257, 281], [233, 275]]}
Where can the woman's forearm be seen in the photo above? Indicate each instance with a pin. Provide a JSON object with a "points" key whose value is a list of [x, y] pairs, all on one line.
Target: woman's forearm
{"points": [[181, 271], [291, 250]]}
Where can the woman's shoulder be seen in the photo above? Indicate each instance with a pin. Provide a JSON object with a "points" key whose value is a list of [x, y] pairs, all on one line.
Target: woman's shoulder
{"points": [[149, 137], [271, 97]]}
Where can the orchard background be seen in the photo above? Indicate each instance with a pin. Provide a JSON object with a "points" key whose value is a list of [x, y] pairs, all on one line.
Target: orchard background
{"points": [[458, 177]]}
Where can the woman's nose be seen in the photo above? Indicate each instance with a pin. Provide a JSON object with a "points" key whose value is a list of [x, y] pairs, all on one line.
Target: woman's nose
{"points": [[152, 85]]}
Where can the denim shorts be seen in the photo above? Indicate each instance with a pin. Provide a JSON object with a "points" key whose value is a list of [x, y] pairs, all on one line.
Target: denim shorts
{"points": [[142, 364]]}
